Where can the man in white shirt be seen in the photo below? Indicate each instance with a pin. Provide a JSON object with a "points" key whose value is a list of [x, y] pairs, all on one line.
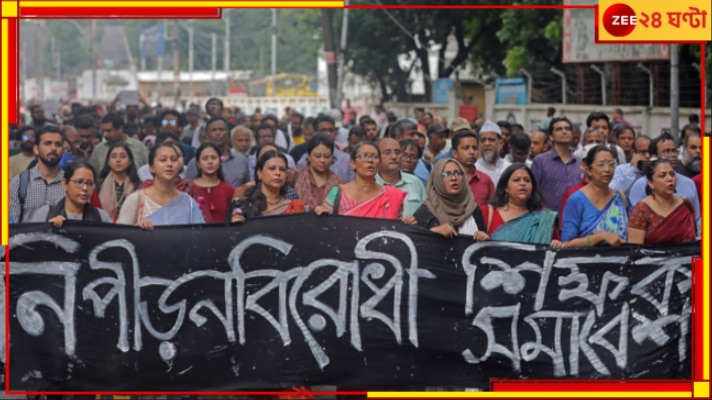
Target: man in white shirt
{"points": [[490, 142]]}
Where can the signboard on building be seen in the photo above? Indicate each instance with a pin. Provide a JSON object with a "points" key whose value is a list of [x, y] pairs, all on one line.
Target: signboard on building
{"points": [[579, 40], [441, 91], [511, 91]]}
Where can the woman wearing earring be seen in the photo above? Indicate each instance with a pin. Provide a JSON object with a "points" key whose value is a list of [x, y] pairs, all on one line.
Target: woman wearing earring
{"points": [[161, 203], [316, 179], [364, 197], [596, 213], [516, 213], [268, 195], [662, 217]]}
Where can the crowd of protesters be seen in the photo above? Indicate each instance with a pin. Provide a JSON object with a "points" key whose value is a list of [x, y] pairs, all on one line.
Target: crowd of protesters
{"points": [[562, 184]]}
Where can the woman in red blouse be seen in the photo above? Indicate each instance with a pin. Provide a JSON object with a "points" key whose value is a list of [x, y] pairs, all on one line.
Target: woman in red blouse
{"points": [[209, 189]]}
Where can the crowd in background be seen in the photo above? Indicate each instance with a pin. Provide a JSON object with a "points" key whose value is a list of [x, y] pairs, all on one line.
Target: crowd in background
{"points": [[563, 183]]}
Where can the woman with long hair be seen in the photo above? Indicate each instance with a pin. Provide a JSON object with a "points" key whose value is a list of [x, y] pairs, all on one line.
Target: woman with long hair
{"points": [[596, 213], [210, 190], [268, 195], [516, 213], [161, 203], [119, 179], [662, 217], [316, 179], [364, 197], [78, 184]]}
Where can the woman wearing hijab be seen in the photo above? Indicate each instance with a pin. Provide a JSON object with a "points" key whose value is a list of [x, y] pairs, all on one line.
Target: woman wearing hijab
{"points": [[450, 209]]}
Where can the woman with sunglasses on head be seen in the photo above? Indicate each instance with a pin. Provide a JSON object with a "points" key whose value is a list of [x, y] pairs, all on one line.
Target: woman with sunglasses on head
{"points": [[161, 203], [268, 195], [662, 217], [78, 184], [209, 189], [364, 197], [118, 179], [516, 213], [596, 213], [450, 208]]}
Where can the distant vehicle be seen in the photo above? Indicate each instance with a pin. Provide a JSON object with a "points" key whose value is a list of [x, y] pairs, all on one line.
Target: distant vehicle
{"points": [[283, 85]]}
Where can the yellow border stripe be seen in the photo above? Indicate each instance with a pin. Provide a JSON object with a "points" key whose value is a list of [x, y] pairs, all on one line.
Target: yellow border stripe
{"points": [[645, 395], [172, 4], [4, 127]]}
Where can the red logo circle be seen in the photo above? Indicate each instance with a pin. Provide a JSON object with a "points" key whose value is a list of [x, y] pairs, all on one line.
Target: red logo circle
{"points": [[619, 20]]}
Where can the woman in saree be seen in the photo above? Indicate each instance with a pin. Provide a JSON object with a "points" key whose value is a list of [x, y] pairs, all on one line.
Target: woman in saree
{"points": [[596, 214], [662, 217], [450, 208], [119, 179], [516, 213], [209, 189], [268, 195], [316, 179], [78, 184], [161, 203], [259, 152], [364, 197]]}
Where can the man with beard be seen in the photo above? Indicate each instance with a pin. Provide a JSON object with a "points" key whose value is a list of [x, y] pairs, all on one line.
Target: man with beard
{"points": [[21, 160], [371, 128], [690, 162], [490, 142], [112, 125], [390, 174], [39, 120], [85, 129], [664, 147], [42, 184], [466, 151]]}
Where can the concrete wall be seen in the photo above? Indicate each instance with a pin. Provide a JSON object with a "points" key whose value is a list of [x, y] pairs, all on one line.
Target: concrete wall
{"points": [[649, 121]]}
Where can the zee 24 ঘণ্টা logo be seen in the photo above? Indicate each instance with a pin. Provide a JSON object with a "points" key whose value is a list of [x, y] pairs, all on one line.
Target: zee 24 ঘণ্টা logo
{"points": [[621, 20]]}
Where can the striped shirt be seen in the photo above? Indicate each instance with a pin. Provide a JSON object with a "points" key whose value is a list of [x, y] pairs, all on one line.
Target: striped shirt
{"points": [[39, 193]]}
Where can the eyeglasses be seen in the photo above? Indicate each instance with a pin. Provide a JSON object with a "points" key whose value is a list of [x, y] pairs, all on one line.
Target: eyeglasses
{"points": [[669, 152], [448, 174], [368, 157], [80, 183], [213, 105], [610, 164], [169, 121]]}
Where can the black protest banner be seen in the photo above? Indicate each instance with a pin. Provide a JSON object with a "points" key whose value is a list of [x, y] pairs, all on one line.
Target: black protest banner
{"points": [[303, 300]]}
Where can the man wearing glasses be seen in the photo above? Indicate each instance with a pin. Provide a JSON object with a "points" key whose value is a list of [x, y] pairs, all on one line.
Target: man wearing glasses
{"points": [[627, 174], [664, 146]]}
